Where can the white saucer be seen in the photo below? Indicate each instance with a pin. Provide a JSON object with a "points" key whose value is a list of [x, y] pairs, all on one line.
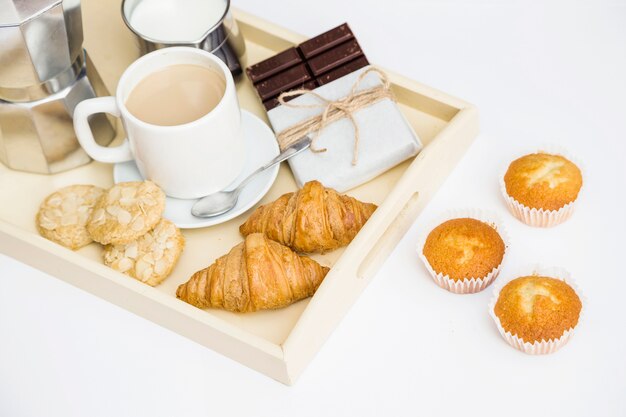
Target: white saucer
{"points": [[261, 146]]}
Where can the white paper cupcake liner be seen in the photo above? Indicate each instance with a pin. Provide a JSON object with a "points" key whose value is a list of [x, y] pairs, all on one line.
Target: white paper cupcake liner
{"points": [[467, 285], [540, 217], [542, 347]]}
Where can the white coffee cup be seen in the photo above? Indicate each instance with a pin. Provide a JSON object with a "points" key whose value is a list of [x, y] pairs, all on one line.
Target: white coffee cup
{"points": [[189, 160]]}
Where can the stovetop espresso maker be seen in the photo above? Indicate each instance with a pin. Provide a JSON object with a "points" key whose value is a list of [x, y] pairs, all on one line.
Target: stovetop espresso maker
{"points": [[44, 74]]}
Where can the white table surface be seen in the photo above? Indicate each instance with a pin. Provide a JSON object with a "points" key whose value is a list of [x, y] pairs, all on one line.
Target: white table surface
{"points": [[555, 73]]}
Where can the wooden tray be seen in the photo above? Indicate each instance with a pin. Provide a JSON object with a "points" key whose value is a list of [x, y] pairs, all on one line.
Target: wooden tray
{"points": [[277, 343]]}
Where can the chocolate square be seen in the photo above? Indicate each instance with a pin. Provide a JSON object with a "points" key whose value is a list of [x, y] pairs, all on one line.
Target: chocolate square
{"points": [[315, 62]]}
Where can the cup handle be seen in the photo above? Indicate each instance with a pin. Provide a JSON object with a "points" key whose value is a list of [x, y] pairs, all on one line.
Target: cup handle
{"points": [[83, 110]]}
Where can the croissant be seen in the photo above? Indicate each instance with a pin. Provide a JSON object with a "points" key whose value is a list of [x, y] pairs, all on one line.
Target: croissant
{"points": [[257, 274], [313, 219]]}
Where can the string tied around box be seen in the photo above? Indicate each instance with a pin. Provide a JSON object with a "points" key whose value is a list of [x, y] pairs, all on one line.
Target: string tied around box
{"points": [[334, 111]]}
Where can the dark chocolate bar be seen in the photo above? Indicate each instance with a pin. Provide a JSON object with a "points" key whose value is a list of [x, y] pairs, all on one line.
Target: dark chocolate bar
{"points": [[316, 62], [273, 102], [343, 70], [273, 65], [325, 41], [273, 86], [335, 57]]}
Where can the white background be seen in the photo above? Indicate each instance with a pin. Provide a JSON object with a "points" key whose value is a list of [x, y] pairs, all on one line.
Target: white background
{"points": [[549, 72]]}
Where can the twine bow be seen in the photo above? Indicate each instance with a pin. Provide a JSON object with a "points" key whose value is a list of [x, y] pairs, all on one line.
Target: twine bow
{"points": [[333, 111]]}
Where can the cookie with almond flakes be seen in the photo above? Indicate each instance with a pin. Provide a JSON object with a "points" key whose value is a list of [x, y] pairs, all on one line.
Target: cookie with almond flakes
{"points": [[126, 212]]}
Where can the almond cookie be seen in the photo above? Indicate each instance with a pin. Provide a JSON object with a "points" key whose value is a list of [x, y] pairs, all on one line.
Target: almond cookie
{"points": [[125, 212], [150, 258], [63, 215]]}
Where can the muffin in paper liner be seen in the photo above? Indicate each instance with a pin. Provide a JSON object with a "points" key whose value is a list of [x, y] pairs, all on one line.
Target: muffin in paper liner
{"points": [[466, 285], [544, 346], [539, 217]]}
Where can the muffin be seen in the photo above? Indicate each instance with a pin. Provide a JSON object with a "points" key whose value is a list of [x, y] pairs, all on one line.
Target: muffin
{"points": [[537, 313], [463, 254], [540, 188]]}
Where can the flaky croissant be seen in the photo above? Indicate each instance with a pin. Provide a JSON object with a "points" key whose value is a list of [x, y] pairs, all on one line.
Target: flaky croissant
{"points": [[313, 219], [257, 274]]}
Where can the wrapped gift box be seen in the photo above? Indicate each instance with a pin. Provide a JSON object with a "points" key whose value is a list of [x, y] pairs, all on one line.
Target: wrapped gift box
{"points": [[385, 137]]}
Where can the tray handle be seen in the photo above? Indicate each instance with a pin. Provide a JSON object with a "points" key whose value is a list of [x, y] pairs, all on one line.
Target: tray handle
{"points": [[384, 244]]}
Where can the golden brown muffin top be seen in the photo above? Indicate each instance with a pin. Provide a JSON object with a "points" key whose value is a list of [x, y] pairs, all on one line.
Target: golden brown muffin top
{"points": [[464, 248], [543, 181], [537, 308]]}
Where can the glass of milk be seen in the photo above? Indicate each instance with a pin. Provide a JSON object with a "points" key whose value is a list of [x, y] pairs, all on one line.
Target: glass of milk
{"points": [[205, 24]]}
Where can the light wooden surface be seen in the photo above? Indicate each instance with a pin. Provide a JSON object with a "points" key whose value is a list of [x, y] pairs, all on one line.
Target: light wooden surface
{"points": [[539, 71], [279, 343]]}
